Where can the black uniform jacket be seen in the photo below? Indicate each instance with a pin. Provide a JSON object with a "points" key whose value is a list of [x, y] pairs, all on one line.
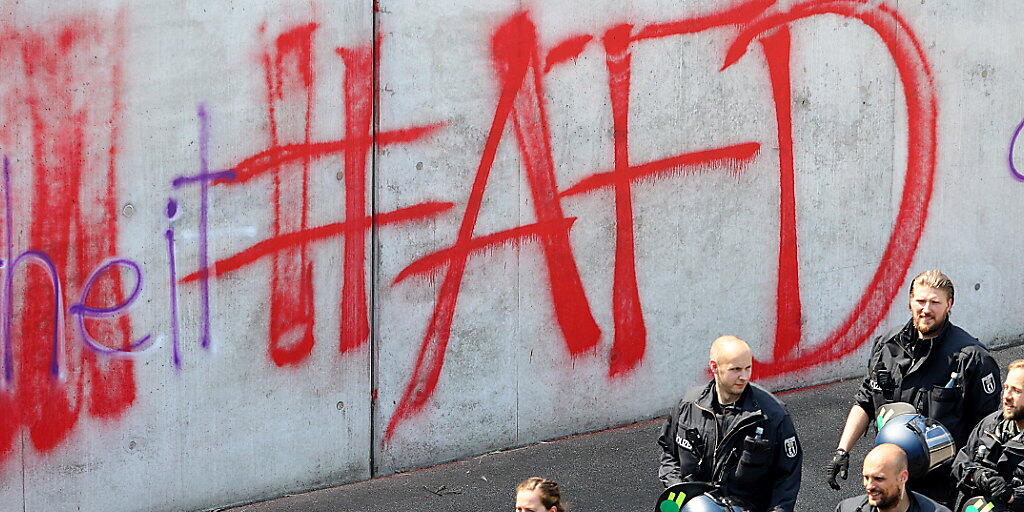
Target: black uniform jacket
{"points": [[903, 368], [984, 449], [765, 473], [918, 503]]}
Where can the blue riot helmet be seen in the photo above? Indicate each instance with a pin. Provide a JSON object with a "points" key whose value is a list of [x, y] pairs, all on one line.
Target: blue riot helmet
{"points": [[926, 442], [708, 503]]}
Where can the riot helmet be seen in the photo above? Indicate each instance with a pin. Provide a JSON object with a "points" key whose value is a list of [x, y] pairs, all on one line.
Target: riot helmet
{"points": [[926, 442]]}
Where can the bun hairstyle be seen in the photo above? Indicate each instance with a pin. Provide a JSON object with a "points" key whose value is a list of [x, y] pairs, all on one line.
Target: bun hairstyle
{"points": [[550, 494]]}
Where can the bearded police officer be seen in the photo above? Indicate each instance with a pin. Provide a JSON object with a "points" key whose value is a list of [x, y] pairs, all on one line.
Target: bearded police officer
{"points": [[937, 367], [991, 465], [885, 485], [734, 435]]}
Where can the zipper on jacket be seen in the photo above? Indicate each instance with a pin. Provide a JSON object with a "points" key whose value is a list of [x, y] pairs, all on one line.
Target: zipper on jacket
{"points": [[714, 448], [744, 423]]}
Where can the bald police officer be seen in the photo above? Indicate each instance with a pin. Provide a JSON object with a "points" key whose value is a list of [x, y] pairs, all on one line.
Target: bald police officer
{"points": [[734, 434], [885, 485]]}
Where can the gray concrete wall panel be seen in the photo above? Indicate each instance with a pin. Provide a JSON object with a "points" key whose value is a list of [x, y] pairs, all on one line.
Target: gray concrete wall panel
{"points": [[306, 243]]}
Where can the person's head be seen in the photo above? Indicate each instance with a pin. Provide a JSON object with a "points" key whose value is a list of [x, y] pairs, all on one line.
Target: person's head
{"points": [[731, 364], [885, 475], [1013, 392], [536, 494], [931, 297]]}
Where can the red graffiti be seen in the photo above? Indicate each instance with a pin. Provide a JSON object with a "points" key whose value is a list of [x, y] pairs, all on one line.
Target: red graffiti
{"points": [[290, 73], [61, 120], [520, 65], [515, 54], [289, 68], [516, 58], [66, 148], [922, 110], [359, 95]]}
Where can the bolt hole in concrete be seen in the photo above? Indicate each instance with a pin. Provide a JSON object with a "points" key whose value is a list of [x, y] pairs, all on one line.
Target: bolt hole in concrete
{"points": [[977, 286], [341, 405], [131, 445], [128, 210]]}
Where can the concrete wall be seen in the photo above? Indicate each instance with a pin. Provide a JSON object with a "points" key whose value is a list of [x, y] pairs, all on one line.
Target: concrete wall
{"points": [[569, 200]]}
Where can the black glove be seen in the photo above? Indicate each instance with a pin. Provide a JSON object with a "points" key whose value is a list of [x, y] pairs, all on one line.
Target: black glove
{"points": [[992, 485], [839, 465]]}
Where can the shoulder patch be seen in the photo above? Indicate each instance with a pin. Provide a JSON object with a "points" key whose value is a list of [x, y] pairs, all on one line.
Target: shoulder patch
{"points": [[988, 382], [790, 445]]}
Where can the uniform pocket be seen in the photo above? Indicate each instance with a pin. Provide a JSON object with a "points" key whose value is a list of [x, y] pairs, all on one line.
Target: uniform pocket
{"points": [[755, 460], [944, 405], [691, 450]]}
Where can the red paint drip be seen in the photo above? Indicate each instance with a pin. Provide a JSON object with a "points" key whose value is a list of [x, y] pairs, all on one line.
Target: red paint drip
{"points": [[787, 295], [51, 409], [73, 203], [111, 381], [630, 339], [290, 108], [358, 85]]}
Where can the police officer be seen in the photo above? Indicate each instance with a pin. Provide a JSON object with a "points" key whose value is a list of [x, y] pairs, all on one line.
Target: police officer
{"points": [[733, 434], [991, 465], [945, 373], [885, 485]]}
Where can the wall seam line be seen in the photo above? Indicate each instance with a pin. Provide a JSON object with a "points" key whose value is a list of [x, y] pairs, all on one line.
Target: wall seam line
{"points": [[519, 289], [374, 253]]}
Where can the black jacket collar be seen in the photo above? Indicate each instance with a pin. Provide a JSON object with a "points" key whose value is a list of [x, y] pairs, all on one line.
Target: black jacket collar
{"points": [[909, 335], [746, 401]]}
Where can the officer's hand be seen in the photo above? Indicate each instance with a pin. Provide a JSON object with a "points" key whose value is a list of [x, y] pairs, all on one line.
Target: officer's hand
{"points": [[993, 486], [840, 465]]}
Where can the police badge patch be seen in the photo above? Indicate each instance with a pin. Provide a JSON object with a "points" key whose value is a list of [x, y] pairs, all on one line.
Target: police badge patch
{"points": [[989, 383], [790, 445]]}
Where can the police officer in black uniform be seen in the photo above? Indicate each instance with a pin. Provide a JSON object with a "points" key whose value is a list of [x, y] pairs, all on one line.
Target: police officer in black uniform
{"points": [[991, 464], [885, 485], [945, 373], [735, 435]]}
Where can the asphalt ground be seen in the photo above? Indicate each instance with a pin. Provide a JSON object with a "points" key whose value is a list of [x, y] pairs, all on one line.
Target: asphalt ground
{"points": [[607, 471]]}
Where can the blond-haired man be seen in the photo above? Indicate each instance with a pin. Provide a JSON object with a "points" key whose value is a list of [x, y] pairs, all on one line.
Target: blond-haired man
{"points": [[945, 373]]}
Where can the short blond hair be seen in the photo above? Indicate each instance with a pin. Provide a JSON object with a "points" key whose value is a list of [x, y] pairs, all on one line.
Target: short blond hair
{"points": [[1016, 365], [933, 279]]}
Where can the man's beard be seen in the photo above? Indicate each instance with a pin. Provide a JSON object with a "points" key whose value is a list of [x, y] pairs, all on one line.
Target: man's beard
{"points": [[936, 327], [888, 500], [1013, 414]]}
